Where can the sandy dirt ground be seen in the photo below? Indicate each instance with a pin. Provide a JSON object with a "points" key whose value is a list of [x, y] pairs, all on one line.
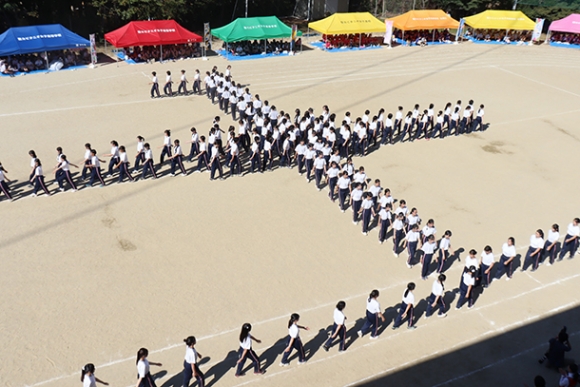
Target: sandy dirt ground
{"points": [[92, 276]]}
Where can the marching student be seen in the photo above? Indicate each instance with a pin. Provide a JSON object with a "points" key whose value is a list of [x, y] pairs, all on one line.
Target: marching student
{"points": [[319, 169], [464, 124], [114, 155], [479, 119], [487, 263], [534, 254], [294, 341], [299, 151], [95, 169], [182, 84], [471, 260], [309, 156], [402, 209], [407, 307], [154, 85], [57, 171], [466, 288], [344, 189], [398, 120], [202, 157], [550, 245], [428, 230], [88, 378], [267, 158], [446, 117], [398, 232], [190, 367], [332, 180], [167, 87], [194, 150], [255, 156], [144, 378], [177, 159], [140, 156], [196, 82], [166, 147], [413, 219], [411, 240], [570, 244], [454, 122], [386, 198], [508, 253], [235, 165], [388, 130], [33, 157], [360, 177], [435, 300], [406, 126], [444, 251], [246, 352], [338, 328], [428, 249], [215, 162], [414, 118], [123, 165], [64, 167], [373, 314], [86, 161], [3, 184], [356, 202], [385, 221], [438, 126], [148, 163], [367, 210], [349, 168]]}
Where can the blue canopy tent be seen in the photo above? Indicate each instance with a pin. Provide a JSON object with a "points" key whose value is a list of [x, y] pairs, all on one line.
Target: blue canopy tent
{"points": [[31, 39]]}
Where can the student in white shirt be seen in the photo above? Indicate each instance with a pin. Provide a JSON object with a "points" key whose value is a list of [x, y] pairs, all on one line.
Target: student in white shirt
{"points": [[88, 378], [33, 158], [246, 352], [338, 328], [360, 177], [144, 378], [194, 150], [569, 377], [255, 156], [463, 126], [196, 83], [215, 162], [114, 155], [367, 209], [235, 165], [398, 120], [406, 309], [471, 260], [140, 156], [294, 341], [309, 156], [177, 159], [454, 122], [444, 251], [388, 130], [356, 201], [123, 165], [148, 163], [202, 157], [412, 240], [299, 151], [386, 198], [398, 232], [267, 158], [385, 218], [285, 156], [95, 169], [166, 147], [182, 89], [86, 161], [534, 254], [487, 263], [508, 254], [319, 169], [190, 367], [550, 245], [428, 230], [167, 87], [438, 126], [570, 244], [64, 166], [435, 300], [373, 314], [479, 119], [154, 85], [428, 249], [344, 189], [446, 117], [466, 288]]}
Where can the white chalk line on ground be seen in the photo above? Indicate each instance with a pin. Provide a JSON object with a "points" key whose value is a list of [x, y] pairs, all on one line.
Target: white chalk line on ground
{"points": [[538, 82], [326, 305]]}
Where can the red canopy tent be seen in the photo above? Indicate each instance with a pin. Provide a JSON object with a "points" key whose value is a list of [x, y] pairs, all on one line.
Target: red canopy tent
{"points": [[151, 33]]}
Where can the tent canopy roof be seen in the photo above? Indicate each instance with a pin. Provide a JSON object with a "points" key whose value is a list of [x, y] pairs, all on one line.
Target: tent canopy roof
{"points": [[151, 33], [50, 37], [570, 23], [348, 23], [501, 20], [427, 19], [250, 28]]}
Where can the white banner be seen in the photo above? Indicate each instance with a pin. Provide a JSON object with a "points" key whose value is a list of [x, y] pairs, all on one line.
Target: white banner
{"points": [[460, 29], [93, 49], [538, 30], [207, 36], [388, 32]]}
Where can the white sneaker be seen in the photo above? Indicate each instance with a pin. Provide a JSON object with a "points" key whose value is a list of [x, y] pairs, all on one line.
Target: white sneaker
{"points": [[395, 254], [33, 195], [374, 337], [548, 263], [109, 175], [365, 233], [302, 362], [442, 315], [507, 278], [172, 174], [61, 189], [283, 364], [409, 266], [359, 333]]}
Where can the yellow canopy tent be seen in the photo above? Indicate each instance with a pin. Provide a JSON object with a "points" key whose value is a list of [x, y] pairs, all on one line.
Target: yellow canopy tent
{"points": [[427, 19], [500, 20], [348, 23]]}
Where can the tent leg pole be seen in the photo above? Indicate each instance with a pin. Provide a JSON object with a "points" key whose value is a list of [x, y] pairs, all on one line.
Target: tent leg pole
{"points": [[161, 53], [433, 41], [46, 59]]}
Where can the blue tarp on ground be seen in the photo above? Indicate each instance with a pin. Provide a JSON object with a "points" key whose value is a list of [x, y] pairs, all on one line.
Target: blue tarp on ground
{"points": [[321, 46], [228, 56], [50, 37], [564, 45]]}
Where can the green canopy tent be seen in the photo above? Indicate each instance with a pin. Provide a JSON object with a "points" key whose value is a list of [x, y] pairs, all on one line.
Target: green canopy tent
{"points": [[253, 28]]}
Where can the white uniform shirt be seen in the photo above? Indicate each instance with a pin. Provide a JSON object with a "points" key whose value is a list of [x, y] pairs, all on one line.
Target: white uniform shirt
{"points": [[508, 251], [413, 219], [332, 172], [573, 230], [487, 259], [412, 236], [468, 279], [190, 355], [429, 247], [143, 368], [553, 236], [536, 242], [148, 154], [122, 157], [437, 288], [294, 331], [401, 210], [375, 190], [367, 204], [384, 200], [247, 343], [343, 182], [139, 147], [384, 214], [356, 195], [319, 163], [177, 150], [398, 224], [339, 317], [444, 244], [95, 161], [359, 177], [428, 231], [409, 299], [373, 306], [471, 262], [89, 381]]}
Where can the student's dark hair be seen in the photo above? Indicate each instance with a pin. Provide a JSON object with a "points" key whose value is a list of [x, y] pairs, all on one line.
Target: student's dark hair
{"points": [[481, 106], [539, 381], [146, 145], [430, 221], [459, 102], [140, 353], [154, 73], [473, 252], [390, 115], [410, 288], [193, 129], [574, 371], [367, 111], [442, 277], [414, 227], [121, 148], [340, 305], [448, 105], [32, 153], [140, 138], [374, 294], [541, 232], [167, 132], [176, 142], [168, 72], [556, 227], [400, 108], [431, 237], [189, 341], [416, 106], [59, 149], [456, 109], [472, 269], [115, 143], [402, 201], [448, 232], [273, 107], [90, 367], [471, 102], [202, 138], [431, 106], [293, 318], [38, 162], [577, 220], [87, 145], [246, 328], [63, 157], [487, 249]]}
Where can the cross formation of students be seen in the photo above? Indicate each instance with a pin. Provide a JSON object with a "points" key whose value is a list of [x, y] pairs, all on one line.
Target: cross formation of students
{"points": [[317, 147]]}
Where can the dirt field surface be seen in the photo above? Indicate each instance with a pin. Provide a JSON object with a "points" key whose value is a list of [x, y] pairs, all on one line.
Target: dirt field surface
{"points": [[94, 275]]}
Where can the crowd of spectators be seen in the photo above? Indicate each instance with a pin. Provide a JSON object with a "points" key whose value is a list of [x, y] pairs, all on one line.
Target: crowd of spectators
{"points": [[170, 52], [258, 47], [501, 36], [565, 38], [424, 37], [57, 60], [351, 41]]}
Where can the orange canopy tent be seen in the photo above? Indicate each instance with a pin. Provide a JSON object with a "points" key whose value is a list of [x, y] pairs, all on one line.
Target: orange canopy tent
{"points": [[425, 19]]}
